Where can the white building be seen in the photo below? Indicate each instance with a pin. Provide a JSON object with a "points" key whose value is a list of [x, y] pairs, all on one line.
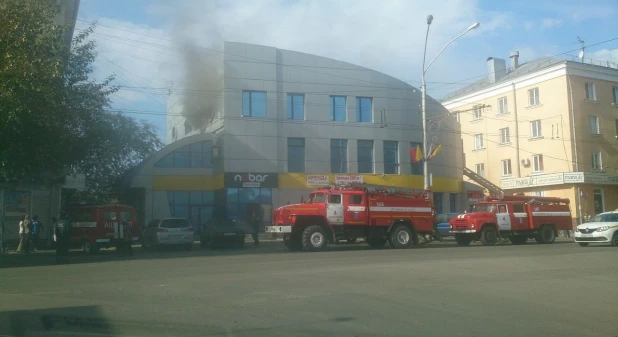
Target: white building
{"points": [[281, 123]]}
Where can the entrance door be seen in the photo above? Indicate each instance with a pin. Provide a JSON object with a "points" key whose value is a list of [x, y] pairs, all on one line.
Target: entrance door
{"points": [[199, 215], [334, 209], [599, 203], [504, 218]]}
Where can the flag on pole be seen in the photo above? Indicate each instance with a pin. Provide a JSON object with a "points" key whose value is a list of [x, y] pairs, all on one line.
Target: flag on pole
{"points": [[416, 154], [434, 152]]}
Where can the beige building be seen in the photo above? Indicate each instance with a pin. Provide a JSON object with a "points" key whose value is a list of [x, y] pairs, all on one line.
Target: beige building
{"points": [[548, 127]]}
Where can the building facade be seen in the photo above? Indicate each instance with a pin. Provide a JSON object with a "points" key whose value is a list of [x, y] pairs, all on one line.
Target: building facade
{"points": [[548, 127], [283, 123]]}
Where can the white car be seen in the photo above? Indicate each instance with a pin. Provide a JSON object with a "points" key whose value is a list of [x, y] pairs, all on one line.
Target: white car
{"points": [[603, 228]]}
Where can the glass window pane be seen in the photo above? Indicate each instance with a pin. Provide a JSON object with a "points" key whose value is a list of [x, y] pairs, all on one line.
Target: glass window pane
{"points": [[249, 195], [299, 106], [232, 210], [232, 195], [337, 108], [182, 159], [289, 107], [181, 211], [170, 197], [167, 161], [266, 196], [208, 197], [195, 197], [196, 159], [186, 148], [246, 103], [196, 147], [338, 156], [181, 198], [258, 104], [205, 214]]}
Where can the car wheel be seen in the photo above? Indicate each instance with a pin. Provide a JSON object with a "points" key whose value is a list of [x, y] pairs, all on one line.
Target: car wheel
{"points": [[400, 237], [489, 236], [313, 239], [583, 244], [615, 239]]}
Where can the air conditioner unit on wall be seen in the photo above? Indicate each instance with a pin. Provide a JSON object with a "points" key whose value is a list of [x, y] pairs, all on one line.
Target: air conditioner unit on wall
{"points": [[525, 162]]}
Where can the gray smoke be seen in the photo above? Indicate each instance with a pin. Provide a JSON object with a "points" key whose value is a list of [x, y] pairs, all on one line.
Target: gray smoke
{"points": [[201, 56]]}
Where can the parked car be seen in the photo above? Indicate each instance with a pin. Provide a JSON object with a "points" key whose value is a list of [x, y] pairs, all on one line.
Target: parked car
{"points": [[223, 232], [602, 228], [443, 226], [168, 231]]}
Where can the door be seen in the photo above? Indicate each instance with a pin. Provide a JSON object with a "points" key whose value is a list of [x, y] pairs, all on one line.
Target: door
{"points": [[520, 218], [334, 209], [599, 202], [355, 210], [504, 218]]}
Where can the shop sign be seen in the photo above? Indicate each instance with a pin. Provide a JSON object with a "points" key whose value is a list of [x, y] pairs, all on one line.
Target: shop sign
{"points": [[475, 194], [251, 179], [346, 179], [317, 179]]}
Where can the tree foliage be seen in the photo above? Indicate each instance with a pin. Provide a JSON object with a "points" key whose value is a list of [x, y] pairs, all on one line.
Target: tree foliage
{"points": [[53, 114]]}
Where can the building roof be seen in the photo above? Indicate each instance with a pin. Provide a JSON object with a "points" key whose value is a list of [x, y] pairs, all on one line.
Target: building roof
{"points": [[521, 70]]}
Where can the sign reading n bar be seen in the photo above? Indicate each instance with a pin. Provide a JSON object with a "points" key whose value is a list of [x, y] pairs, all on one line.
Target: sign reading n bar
{"points": [[317, 179], [248, 179], [344, 179]]}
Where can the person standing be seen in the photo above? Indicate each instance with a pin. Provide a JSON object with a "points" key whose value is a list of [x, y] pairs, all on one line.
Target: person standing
{"points": [[36, 233], [62, 231], [255, 224], [26, 226]]}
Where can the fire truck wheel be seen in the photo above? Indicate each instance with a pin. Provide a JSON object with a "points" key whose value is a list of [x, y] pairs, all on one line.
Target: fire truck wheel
{"points": [[463, 240], [518, 239], [89, 248], [400, 237], [313, 239], [489, 236], [376, 243], [546, 234]]}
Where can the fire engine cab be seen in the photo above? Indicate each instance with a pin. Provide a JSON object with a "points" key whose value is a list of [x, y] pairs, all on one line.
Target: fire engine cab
{"points": [[348, 212], [516, 217]]}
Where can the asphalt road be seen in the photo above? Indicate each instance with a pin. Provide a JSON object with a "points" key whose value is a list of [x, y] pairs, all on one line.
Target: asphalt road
{"points": [[440, 290]]}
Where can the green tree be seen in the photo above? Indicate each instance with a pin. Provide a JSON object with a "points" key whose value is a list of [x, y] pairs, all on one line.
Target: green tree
{"points": [[53, 114]]}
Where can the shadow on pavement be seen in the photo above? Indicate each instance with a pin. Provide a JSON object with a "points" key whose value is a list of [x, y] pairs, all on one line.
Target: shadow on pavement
{"points": [[47, 258]]}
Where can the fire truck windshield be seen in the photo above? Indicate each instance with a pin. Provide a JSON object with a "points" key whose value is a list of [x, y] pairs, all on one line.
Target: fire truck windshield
{"points": [[484, 208], [317, 198]]}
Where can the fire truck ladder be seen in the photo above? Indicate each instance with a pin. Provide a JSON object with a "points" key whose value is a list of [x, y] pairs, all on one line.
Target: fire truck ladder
{"points": [[491, 187]]}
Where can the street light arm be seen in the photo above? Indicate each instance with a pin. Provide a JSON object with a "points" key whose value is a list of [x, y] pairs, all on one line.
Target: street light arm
{"points": [[453, 40]]}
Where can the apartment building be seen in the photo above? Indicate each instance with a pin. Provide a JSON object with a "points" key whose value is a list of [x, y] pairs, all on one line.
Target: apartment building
{"points": [[548, 127]]}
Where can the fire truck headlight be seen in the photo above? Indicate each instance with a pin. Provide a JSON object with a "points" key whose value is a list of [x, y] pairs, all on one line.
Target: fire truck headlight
{"points": [[602, 229], [472, 226]]}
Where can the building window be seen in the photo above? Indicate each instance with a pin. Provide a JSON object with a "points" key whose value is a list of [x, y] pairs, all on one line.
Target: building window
{"points": [[339, 155], [537, 163], [188, 128], [597, 163], [196, 206], [337, 108], [365, 156], [480, 169], [478, 141], [417, 168], [535, 129], [533, 97], [196, 155], [478, 113], [615, 95], [503, 107], [506, 168], [591, 92], [452, 202], [364, 109], [438, 201], [254, 104], [505, 137], [594, 125], [391, 157], [538, 193], [296, 154], [296, 106]]}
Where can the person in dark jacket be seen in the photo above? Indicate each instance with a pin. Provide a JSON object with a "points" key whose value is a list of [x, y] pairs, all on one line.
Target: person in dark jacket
{"points": [[36, 233], [62, 231]]}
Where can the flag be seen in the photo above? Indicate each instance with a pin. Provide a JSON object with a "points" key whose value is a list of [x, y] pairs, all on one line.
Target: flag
{"points": [[434, 152], [416, 154]]}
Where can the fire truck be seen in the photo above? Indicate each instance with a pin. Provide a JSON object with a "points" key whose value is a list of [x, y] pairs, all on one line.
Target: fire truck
{"points": [[348, 212], [513, 217]]}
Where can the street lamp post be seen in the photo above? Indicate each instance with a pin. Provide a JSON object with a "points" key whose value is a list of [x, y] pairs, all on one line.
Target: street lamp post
{"points": [[424, 95]]}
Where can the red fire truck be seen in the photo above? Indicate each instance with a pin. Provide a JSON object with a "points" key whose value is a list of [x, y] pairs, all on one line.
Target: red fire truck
{"points": [[516, 217], [95, 226], [355, 211]]}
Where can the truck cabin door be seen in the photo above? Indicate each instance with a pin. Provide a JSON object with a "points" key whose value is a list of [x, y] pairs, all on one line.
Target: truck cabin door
{"points": [[504, 218], [334, 209], [355, 210], [520, 218]]}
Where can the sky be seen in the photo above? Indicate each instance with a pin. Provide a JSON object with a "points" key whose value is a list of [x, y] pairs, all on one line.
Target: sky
{"points": [[141, 41]]}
